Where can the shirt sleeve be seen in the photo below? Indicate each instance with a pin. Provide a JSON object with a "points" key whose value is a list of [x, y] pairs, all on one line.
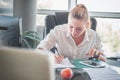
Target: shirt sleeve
{"points": [[49, 41], [98, 44]]}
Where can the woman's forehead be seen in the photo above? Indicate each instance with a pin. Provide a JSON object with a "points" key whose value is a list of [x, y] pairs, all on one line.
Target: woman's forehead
{"points": [[76, 22]]}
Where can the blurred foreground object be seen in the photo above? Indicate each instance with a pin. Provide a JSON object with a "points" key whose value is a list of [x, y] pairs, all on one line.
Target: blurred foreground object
{"points": [[25, 64]]}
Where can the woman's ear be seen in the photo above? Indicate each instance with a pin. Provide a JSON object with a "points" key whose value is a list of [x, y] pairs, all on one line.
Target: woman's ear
{"points": [[88, 24]]}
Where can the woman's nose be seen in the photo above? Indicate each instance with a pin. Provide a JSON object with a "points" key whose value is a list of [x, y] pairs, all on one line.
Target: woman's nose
{"points": [[74, 31]]}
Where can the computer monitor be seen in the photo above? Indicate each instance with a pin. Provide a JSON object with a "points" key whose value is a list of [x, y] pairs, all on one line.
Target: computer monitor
{"points": [[24, 64]]}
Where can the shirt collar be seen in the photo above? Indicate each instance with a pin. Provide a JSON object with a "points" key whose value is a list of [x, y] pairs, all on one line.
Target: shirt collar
{"points": [[68, 32], [86, 35], [86, 38]]}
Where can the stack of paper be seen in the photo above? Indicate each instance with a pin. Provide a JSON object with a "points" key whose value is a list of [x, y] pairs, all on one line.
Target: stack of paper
{"points": [[102, 73]]}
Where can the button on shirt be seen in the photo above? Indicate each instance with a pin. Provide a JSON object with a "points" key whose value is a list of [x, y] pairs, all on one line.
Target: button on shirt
{"points": [[60, 36]]}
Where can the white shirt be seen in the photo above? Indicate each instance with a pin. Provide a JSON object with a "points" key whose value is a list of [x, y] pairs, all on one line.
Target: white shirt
{"points": [[60, 36]]}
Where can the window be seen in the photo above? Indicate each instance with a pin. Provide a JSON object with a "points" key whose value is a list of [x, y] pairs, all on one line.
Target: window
{"points": [[109, 31], [101, 5], [40, 19], [52, 4], [47, 6], [6, 7]]}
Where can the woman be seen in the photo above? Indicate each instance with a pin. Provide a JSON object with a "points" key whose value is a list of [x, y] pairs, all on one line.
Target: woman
{"points": [[75, 39]]}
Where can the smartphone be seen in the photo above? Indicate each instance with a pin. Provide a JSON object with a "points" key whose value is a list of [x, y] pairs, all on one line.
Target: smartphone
{"points": [[92, 64]]}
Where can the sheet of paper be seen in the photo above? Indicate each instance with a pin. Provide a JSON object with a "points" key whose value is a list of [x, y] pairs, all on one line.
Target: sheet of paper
{"points": [[93, 64], [102, 73], [65, 63]]}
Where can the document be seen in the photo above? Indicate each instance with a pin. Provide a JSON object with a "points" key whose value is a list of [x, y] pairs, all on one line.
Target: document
{"points": [[93, 64], [65, 63], [102, 73]]}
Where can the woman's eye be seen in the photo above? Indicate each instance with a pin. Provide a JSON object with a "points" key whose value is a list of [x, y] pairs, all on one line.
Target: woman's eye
{"points": [[71, 26]]}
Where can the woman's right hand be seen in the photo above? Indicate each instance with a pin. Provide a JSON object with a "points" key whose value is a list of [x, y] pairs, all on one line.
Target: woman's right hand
{"points": [[58, 58]]}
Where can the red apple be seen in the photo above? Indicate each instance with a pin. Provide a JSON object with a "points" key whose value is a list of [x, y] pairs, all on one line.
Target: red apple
{"points": [[66, 73]]}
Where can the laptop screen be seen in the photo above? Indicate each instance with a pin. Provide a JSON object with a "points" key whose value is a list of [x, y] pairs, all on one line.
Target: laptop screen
{"points": [[23, 64]]}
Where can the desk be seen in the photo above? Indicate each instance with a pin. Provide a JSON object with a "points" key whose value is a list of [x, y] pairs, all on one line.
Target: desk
{"points": [[113, 62], [112, 70], [79, 68], [78, 72]]}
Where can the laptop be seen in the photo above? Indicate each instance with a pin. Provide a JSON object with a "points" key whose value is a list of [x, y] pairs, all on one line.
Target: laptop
{"points": [[24, 64]]}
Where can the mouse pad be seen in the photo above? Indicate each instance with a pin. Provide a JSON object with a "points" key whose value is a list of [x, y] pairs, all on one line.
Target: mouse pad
{"points": [[78, 74]]}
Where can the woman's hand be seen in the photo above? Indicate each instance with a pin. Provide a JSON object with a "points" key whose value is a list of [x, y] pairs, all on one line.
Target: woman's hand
{"points": [[92, 52], [58, 58], [96, 54]]}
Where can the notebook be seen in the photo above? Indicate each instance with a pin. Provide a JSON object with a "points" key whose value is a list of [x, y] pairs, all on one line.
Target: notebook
{"points": [[24, 64]]}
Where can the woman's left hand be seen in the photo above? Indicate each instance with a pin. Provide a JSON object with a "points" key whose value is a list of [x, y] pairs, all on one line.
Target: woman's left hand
{"points": [[93, 52], [96, 54]]}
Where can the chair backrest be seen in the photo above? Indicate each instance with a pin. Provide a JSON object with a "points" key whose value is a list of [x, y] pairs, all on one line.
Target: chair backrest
{"points": [[9, 31], [60, 18]]}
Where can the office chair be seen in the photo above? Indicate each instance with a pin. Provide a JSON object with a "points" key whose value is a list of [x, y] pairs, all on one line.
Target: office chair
{"points": [[60, 18], [9, 31]]}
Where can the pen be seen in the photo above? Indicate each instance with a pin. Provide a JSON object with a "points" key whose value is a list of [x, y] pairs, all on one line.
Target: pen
{"points": [[58, 53]]}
